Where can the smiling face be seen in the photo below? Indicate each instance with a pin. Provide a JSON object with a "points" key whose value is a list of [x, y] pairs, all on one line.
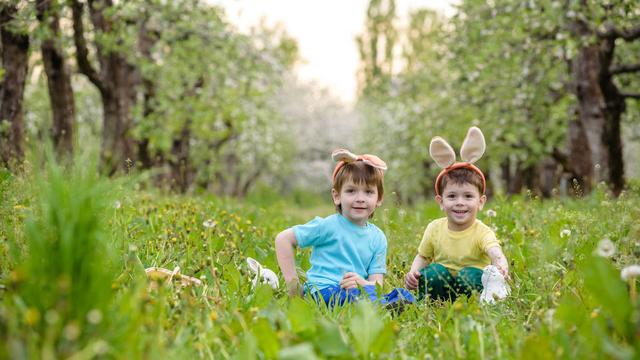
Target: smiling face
{"points": [[357, 201], [461, 202]]}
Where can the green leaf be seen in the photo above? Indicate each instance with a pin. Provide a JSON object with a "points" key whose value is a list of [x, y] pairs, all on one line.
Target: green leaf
{"points": [[365, 327], [267, 338], [301, 316], [300, 351], [604, 283], [329, 340]]}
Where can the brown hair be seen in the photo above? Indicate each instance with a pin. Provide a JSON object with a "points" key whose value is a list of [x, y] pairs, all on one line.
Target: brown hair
{"points": [[359, 173], [461, 176]]}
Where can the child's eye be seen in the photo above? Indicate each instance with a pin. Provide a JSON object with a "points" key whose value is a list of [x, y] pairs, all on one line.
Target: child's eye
{"points": [[370, 192]]}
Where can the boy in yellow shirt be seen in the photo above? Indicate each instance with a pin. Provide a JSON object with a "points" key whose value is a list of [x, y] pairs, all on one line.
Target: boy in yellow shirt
{"points": [[455, 249]]}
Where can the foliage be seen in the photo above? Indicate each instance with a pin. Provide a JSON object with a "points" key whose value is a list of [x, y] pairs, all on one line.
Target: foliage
{"points": [[501, 65], [565, 302]]}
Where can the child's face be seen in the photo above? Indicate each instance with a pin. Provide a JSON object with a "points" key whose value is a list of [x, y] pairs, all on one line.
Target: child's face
{"points": [[461, 202], [358, 201]]}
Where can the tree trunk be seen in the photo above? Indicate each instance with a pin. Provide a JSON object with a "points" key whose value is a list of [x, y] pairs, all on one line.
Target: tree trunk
{"points": [[116, 80], [600, 104], [58, 80], [181, 173], [579, 164], [15, 49]]}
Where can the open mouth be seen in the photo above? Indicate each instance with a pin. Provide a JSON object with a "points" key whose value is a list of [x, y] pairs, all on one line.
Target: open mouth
{"points": [[459, 212]]}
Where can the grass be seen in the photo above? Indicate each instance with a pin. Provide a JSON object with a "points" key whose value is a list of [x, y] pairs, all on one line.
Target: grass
{"points": [[73, 247]]}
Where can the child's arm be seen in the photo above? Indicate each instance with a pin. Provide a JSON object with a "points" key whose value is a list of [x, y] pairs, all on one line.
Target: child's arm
{"points": [[411, 279], [499, 260], [285, 253], [351, 280]]}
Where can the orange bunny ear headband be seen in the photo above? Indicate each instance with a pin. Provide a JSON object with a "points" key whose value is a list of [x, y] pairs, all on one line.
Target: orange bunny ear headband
{"points": [[471, 151], [343, 156]]}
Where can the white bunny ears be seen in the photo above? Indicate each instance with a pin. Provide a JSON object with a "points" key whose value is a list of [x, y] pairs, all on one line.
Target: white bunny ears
{"points": [[266, 276], [344, 156], [472, 149]]}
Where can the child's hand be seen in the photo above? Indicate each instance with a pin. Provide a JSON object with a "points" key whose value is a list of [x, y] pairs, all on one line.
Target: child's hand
{"points": [[351, 280], [411, 280], [293, 286], [504, 272]]}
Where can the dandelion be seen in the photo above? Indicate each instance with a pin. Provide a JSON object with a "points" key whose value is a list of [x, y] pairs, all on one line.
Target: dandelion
{"points": [[491, 213], [209, 224], [629, 274], [606, 248], [117, 204], [565, 233], [94, 316]]}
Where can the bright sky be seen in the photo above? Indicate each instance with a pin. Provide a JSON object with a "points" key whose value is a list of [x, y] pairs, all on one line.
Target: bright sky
{"points": [[325, 30]]}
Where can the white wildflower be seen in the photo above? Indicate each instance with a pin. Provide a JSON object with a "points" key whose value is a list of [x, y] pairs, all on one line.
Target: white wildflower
{"points": [[491, 213], [549, 315], [630, 272], [209, 223], [117, 204], [565, 233], [606, 248], [94, 316]]}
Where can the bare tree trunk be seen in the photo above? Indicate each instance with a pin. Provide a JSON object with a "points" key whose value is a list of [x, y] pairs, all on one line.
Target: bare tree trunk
{"points": [[116, 81], [15, 49], [600, 103], [58, 79], [181, 173]]}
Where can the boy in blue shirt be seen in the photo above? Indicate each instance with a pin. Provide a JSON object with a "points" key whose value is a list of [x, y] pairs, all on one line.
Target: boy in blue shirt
{"points": [[348, 252]]}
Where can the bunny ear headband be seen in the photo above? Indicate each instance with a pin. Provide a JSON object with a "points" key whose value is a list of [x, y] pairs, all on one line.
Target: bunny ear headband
{"points": [[471, 151], [343, 156]]}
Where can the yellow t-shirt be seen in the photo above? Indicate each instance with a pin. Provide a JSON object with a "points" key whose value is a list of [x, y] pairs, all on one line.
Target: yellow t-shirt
{"points": [[457, 249]]}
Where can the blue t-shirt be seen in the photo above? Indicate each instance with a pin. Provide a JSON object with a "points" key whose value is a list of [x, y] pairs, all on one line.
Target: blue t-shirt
{"points": [[341, 246]]}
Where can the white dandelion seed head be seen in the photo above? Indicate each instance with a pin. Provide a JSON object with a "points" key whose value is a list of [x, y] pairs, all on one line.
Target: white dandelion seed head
{"points": [[209, 224], [491, 213], [117, 204], [94, 316], [549, 315], [565, 233], [630, 272], [606, 248]]}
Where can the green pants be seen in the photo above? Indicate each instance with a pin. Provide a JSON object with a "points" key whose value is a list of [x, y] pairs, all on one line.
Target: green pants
{"points": [[438, 283]]}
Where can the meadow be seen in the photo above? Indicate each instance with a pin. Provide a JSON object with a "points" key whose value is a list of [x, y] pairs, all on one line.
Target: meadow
{"points": [[73, 248]]}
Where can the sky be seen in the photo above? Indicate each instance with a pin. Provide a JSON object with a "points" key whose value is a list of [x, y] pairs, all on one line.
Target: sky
{"points": [[326, 32]]}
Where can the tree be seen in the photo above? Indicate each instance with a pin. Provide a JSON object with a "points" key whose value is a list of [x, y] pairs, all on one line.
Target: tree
{"points": [[601, 103], [116, 78], [15, 50], [376, 46], [58, 77]]}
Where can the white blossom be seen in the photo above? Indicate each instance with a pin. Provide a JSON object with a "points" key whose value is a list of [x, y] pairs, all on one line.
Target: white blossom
{"points": [[491, 213], [630, 272], [606, 248], [565, 233], [209, 223]]}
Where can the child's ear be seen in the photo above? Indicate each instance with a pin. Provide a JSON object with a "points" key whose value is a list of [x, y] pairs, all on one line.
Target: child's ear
{"points": [[483, 200], [336, 197], [439, 200]]}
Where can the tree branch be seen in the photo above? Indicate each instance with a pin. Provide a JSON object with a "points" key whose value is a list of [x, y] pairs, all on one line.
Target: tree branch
{"points": [[613, 32], [82, 53], [623, 69], [630, 95]]}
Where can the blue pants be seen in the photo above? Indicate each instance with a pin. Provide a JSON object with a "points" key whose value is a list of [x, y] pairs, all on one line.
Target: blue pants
{"points": [[335, 295]]}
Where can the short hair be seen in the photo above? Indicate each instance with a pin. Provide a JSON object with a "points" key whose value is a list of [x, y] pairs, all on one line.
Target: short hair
{"points": [[461, 176], [359, 173]]}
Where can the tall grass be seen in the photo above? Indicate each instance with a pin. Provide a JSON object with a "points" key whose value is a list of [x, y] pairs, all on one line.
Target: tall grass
{"points": [[61, 286], [72, 289]]}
